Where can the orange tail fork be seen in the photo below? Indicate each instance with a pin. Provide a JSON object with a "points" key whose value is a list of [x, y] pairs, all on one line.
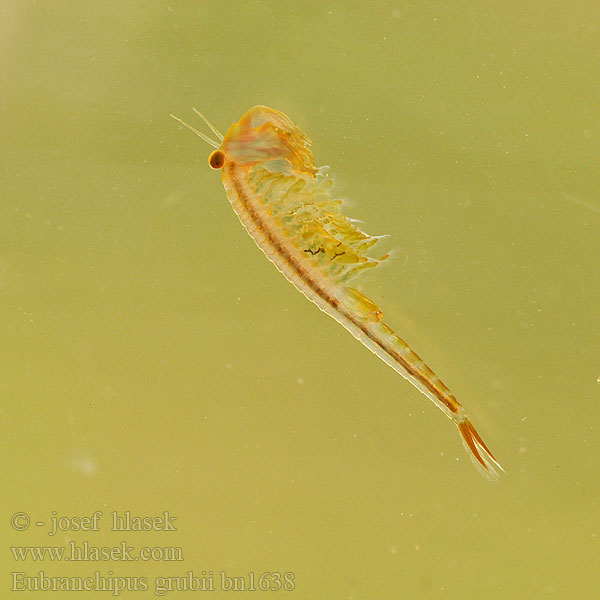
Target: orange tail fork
{"points": [[479, 452]]}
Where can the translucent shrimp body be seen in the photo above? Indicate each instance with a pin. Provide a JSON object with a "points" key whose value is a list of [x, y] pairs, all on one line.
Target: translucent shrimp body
{"points": [[284, 203]]}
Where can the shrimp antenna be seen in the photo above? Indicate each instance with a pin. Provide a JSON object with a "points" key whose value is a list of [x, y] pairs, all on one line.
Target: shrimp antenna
{"points": [[198, 133], [212, 127]]}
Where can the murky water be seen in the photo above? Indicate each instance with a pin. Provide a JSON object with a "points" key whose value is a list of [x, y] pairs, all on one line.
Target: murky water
{"points": [[154, 361]]}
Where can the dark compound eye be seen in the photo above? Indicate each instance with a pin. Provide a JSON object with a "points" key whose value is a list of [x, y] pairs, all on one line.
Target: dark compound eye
{"points": [[216, 159]]}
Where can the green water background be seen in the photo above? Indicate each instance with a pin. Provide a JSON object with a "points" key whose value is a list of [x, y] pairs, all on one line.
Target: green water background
{"points": [[153, 360]]}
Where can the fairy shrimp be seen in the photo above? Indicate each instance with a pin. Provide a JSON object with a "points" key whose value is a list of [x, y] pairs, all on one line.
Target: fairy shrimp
{"points": [[284, 203]]}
